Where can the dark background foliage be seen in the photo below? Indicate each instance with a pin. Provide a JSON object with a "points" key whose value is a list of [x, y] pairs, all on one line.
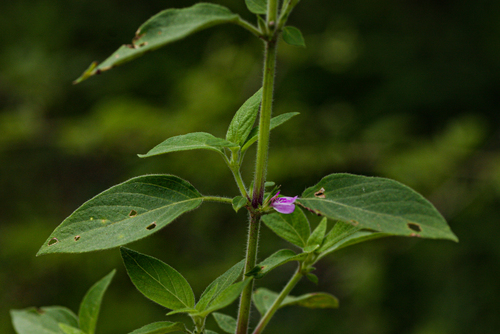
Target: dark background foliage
{"points": [[401, 89]]}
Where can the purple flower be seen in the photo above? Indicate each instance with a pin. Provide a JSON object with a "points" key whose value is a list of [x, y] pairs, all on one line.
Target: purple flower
{"points": [[283, 204]]}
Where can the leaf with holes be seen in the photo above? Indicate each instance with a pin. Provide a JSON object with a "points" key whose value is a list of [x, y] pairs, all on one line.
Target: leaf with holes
{"points": [[257, 6], [242, 123], [161, 327], [44, 320], [91, 304], [293, 227], [124, 213], [157, 280], [165, 27], [293, 36], [376, 203], [190, 141]]}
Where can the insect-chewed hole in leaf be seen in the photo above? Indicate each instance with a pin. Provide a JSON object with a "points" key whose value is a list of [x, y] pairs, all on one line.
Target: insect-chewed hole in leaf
{"points": [[151, 226], [414, 227], [53, 241], [354, 222], [132, 213], [77, 237], [320, 193]]}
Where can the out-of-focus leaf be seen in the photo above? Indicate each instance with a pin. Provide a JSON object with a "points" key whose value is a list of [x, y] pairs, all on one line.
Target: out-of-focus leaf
{"points": [[70, 329], [244, 119], [165, 27], [91, 304], [190, 141], [124, 213], [257, 6], [225, 298], [376, 203], [161, 328], [157, 280], [225, 322], [293, 227], [293, 36], [45, 320]]}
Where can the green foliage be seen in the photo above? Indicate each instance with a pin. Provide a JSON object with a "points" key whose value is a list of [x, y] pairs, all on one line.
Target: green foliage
{"points": [[157, 280], [275, 260], [91, 304], [257, 6], [293, 227], [124, 213], [293, 36], [375, 203], [45, 320], [242, 123], [225, 322], [166, 27], [161, 327]]}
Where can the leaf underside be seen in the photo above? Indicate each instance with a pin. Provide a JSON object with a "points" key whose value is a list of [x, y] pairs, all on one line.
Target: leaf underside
{"points": [[124, 213], [378, 204], [165, 27]]}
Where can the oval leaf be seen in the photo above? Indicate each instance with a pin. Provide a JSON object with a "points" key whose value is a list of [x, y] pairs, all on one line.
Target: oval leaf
{"points": [[244, 119], [157, 280], [225, 322], [257, 6], [376, 203], [292, 227], [225, 298], [317, 236], [165, 27], [293, 36], [124, 213], [45, 320], [312, 300], [161, 328], [190, 141], [91, 304], [275, 260]]}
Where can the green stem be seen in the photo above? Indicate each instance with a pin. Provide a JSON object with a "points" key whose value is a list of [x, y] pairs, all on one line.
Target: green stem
{"points": [[250, 262], [248, 26], [275, 306], [217, 199]]}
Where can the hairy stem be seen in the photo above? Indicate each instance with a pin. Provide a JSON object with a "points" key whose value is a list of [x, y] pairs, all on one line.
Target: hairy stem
{"points": [[250, 262], [275, 306]]}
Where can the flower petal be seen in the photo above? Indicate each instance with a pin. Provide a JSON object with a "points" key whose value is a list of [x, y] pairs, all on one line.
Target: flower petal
{"points": [[284, 204]]}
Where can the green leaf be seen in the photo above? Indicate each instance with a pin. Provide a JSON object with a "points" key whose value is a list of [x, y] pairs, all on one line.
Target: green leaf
{"points": [[376, 203], [91, 304], [124, 213], [225, 322], [190, 141], [225, 298], [239, 202], [275, 260], [70, 329], [161, 328], [293, 36], [355, 238], [312, 300], [208, 331], [317, 236], [264, 298], [339, 232], [244, 119], [292, 227], [157, 280], [313, 278], [45, 320], [165, 27], [275, 122], [257, 6], [219, 284]]}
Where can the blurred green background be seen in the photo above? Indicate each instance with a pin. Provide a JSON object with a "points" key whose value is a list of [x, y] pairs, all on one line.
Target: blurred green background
{"points": [[402, 89]]}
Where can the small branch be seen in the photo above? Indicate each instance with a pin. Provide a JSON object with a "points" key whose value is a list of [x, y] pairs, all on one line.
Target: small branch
{"points": [[217, 199]]}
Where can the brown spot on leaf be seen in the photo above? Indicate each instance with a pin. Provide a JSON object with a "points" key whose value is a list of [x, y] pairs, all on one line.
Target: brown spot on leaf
{"points": [[320, 193], [53, 241], [414, 227], [77, 237], [132, 213], [151, 226]]}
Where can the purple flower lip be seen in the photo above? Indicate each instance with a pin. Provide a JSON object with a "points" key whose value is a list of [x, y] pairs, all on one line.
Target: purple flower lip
{"points": [[283, 204]]}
